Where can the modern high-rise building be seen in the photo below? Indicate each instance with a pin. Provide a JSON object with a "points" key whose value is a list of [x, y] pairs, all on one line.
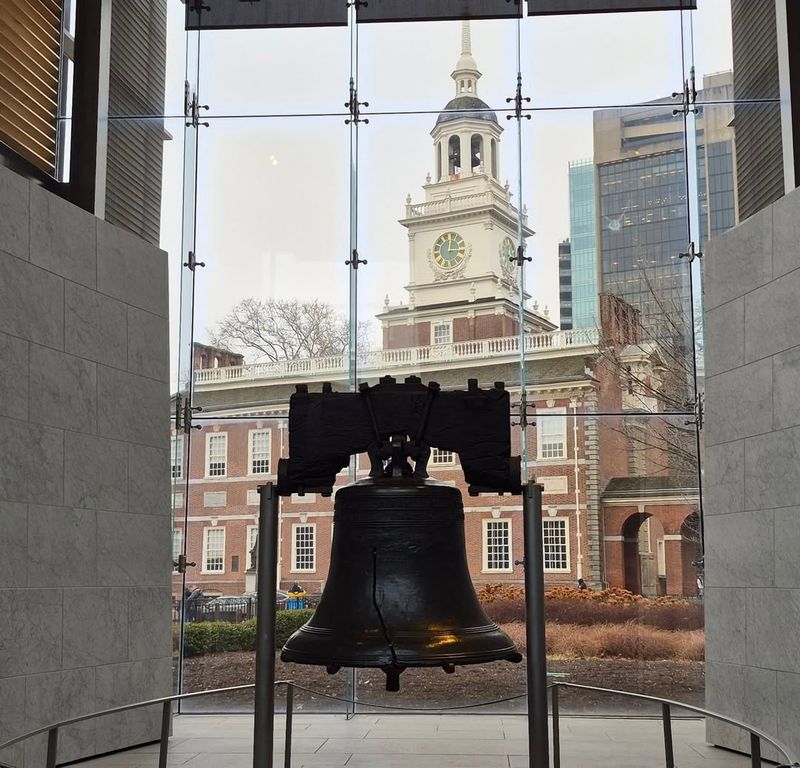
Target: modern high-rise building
{"points": [[582, 236], [565, 283], [642, 221]]}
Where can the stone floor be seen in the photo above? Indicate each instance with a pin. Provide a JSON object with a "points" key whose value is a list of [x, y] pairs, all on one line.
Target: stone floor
{"points": [[427, 741]]}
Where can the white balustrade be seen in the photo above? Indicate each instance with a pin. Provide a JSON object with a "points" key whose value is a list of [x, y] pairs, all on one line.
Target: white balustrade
{"points": [[380, 360]]}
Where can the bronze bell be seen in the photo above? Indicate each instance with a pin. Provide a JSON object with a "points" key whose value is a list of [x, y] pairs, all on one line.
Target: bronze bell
{"points": [[398, 592]]}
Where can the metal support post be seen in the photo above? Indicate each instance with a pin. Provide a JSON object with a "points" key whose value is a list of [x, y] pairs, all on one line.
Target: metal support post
{"points": [[166, 722], [556, 728], [538, 753], [52, 748], [666, 719], [755, 751], [267, 584], [287, 744]]}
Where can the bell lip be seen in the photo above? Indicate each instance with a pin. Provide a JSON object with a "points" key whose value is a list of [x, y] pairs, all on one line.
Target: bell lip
{"points": [[408, 483], [410, 660]]}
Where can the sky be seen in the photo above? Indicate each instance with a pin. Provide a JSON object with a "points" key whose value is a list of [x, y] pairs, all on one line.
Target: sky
{"points": [[273, 207]]}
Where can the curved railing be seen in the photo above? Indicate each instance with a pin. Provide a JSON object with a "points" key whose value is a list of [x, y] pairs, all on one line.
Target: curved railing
{"points": [[757, 736]]}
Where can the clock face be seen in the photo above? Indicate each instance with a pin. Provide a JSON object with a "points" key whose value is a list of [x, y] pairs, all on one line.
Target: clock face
{"points": [[507, 253], [449, 250]]}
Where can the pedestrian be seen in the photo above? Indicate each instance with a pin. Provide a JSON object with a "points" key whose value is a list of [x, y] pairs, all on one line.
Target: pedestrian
{"points": [[582, 585]]}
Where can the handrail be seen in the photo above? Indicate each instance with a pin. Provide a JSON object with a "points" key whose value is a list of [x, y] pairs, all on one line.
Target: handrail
{"points": [[757, 736]]}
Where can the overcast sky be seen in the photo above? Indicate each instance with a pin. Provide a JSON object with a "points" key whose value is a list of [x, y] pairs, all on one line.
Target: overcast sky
{"points": [[273, 192]]}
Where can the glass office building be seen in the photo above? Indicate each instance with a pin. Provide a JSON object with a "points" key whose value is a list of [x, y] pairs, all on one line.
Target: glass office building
{"points": [[582, 223]]}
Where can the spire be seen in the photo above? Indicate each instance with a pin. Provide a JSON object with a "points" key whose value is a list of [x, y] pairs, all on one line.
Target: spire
{"points": [[466, 73], [466, 42]]}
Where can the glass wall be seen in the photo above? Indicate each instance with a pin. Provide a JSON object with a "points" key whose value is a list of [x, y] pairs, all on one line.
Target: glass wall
{"points": [[315, 240]]}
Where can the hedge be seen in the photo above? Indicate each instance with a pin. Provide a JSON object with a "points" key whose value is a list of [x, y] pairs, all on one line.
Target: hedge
{"points": [[202, 637]]}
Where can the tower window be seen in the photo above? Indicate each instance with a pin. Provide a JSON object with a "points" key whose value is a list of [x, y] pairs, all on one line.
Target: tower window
{"points": [[494, 159], [454, 155], [476, 153], [438, 161]]}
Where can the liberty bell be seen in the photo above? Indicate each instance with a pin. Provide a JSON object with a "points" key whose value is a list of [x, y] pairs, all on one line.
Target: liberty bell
{"points": [[398, 592]]}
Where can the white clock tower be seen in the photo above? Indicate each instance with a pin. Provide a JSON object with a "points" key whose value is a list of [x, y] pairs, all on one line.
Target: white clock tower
{"points": [[463, 237]]}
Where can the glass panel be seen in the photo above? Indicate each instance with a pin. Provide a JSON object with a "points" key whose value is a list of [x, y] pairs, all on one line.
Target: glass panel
{"points": [[475, 82], [246, 72], [634, 57]]}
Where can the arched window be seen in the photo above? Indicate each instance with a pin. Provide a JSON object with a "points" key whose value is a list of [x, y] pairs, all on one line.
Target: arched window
{"points": [[494, 159], [469, 86], [462, 86], [438, 161], [476, 153], [454, 155]]}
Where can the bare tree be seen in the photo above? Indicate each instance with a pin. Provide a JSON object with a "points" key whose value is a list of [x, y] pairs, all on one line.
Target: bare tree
{"points": [[286, 329]]}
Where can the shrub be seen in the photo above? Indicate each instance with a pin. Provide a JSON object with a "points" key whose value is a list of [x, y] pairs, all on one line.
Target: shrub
{"points": [[202, 637]]}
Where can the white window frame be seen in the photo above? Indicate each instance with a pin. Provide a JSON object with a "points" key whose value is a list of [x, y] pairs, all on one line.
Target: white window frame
{"points": [[549, 415], [206, 558], [177, 547], [295, 529], [442, 324], [250, 453], [176, 457], [252, 533], [567, 549], [438, 461], [508, 524], [209, 437]]}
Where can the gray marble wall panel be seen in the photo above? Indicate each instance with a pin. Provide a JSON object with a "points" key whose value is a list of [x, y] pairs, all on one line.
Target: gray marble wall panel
{"points": [[63, 390], [129, 405], [14, 378], [13, 545], [15, 193], [85, 555], [31, 302], [63, 238], [148, 348], [95, 472], [752, 475], [125, 269], [733, 270], [62, 547], [96, 326], [31, 462]]}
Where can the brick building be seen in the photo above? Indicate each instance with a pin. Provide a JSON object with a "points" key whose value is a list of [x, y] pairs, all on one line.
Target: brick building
{"points": [[460, 319]]}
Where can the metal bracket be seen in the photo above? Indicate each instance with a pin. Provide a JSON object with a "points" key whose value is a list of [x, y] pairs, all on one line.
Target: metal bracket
{"points": [[355, 261], [354, 105], [688, 96], [699, 412], [518, 98], [691, 254], [181, 564], [192, 110], [183, 415], [523, 406], [520, 258], [193, 263]]}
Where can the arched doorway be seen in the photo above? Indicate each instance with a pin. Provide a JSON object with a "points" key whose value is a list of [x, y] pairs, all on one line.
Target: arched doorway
{"points": [[643, 563], [691, 554]]}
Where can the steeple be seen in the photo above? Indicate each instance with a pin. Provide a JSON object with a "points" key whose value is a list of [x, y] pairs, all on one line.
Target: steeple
{"points": [[466, 73]]}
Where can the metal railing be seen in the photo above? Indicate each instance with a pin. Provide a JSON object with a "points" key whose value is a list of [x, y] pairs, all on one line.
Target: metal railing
{"points": [[757, 737]]}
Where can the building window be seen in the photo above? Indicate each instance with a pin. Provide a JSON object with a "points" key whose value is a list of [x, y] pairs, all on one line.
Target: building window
{"points": [[442, 333], [551, 426], [259, 451], [176, 457], [213, 550], [497, 545], [252, 535], [217, 454], [556, 544], [439, 456], [177, 547], [304, 547]]}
